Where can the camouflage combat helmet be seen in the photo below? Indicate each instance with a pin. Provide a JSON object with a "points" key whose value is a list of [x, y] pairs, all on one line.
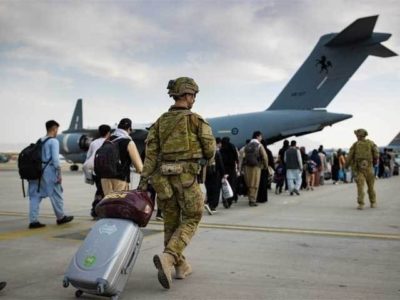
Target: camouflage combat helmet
{"points": [[182, 85], [361, 132]]}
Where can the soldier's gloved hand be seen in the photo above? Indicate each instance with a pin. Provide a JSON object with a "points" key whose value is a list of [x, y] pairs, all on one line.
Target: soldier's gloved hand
{"points": [[143, 184]]}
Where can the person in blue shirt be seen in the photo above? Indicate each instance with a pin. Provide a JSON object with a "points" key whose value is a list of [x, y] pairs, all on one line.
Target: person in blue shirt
{"points": [[50, 183]]}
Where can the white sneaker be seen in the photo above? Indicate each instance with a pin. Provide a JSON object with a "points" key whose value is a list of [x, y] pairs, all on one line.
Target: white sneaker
{"points": [[208, 209]]}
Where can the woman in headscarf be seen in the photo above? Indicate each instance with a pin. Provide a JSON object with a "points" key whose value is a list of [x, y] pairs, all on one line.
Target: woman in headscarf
{"points": [[230, 159], [313, 167]]}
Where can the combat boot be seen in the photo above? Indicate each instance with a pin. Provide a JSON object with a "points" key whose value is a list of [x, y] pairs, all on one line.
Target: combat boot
{"points": [[164, 264], [373, 205], [183, 270], [360, 206]]}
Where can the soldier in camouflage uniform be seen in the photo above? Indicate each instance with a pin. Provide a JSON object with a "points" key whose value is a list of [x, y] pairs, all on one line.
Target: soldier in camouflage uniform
{"points": [[362, 156], [176, 144]]}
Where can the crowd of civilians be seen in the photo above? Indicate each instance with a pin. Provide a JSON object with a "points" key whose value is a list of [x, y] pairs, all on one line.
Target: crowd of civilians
{"points": [[290, 171]]}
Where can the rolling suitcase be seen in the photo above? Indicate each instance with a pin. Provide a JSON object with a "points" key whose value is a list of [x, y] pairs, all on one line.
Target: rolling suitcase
{"points": [[105, 260]]}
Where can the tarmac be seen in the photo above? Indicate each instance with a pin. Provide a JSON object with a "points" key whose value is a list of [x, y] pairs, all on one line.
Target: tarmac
{"points": [[313, 246]]}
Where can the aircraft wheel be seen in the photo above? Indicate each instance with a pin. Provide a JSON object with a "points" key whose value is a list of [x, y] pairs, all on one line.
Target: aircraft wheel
{"points": [[74, 168], [65, 283], [78, 293]]}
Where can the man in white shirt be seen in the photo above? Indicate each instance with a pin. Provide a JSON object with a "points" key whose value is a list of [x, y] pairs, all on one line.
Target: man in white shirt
{"points": [[88, 165]]}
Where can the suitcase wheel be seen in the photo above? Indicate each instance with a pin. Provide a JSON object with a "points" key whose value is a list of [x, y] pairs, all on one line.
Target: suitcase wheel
{"points": [[78, 293], [100, 288]]}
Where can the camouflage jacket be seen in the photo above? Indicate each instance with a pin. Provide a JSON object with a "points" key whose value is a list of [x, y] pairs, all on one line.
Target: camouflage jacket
{"points": [[178, 135], [362, 154]]}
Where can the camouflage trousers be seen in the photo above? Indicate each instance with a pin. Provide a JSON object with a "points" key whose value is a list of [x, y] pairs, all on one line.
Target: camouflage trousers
{"points": [[182, 213], [362, 176]]}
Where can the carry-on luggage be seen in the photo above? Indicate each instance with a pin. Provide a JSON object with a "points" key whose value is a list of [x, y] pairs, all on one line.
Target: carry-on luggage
{"points": [[132, 205], [227, 191], [105, 260]]}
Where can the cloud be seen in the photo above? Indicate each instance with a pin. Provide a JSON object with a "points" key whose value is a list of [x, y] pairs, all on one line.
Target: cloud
{"points": [[96, 39], [123, 54], [120, 42]]}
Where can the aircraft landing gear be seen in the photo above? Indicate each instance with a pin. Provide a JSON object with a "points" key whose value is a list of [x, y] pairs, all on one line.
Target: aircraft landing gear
{"points": [[74, 168]]}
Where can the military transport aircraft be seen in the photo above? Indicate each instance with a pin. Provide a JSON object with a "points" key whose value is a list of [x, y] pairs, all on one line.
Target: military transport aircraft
{"points": [[298, 110]]}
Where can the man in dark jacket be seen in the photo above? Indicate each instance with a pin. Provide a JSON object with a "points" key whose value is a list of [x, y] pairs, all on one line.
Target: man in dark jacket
{"points": [[294, 167], [128, 155], [215, 173], [262, 195], [271, 163], [281, 155]]}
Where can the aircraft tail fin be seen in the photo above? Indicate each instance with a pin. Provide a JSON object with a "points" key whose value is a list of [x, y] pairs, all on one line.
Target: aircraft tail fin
{"points": [[395, 141], [333, 61], [76, 120]]}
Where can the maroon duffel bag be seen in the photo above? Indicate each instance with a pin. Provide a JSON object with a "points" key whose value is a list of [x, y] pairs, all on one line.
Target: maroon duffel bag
{"points": [[132, 205]]}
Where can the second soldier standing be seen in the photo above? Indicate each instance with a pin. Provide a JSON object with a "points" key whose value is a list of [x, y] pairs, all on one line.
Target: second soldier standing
{"points": [[362, 156], [176, 144]]}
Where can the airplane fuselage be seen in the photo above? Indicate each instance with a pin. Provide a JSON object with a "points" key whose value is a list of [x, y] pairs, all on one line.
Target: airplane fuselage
{"points": [[274, 124]]}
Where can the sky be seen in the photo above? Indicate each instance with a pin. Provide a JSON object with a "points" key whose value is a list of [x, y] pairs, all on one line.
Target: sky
{"points": [[118, 56]]}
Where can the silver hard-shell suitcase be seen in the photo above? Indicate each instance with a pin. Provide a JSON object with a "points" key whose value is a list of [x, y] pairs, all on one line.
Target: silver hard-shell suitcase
{"points": [[105, 260]]}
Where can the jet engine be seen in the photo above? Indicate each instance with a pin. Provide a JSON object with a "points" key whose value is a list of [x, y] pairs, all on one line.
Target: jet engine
{"points": [[73, 142]]}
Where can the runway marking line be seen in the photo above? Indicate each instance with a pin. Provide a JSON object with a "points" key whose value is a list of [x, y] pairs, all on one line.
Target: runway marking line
{"points": [[45, 231], [333, 233], [50, 229]]}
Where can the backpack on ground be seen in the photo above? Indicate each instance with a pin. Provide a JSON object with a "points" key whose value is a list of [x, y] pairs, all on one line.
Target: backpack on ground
{"points": [[30, 163], [252, 154], [107, 161]]}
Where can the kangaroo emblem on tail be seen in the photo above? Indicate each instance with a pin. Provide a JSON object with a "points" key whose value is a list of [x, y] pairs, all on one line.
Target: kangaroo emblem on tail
{"points": [[325, 64]]}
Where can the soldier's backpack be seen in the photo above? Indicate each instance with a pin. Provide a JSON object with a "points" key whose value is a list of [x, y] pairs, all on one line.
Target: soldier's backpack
{"points": [[252, 154], [364, 154], [107, 161], [175, 135], [30, 162], [363, 150]]}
